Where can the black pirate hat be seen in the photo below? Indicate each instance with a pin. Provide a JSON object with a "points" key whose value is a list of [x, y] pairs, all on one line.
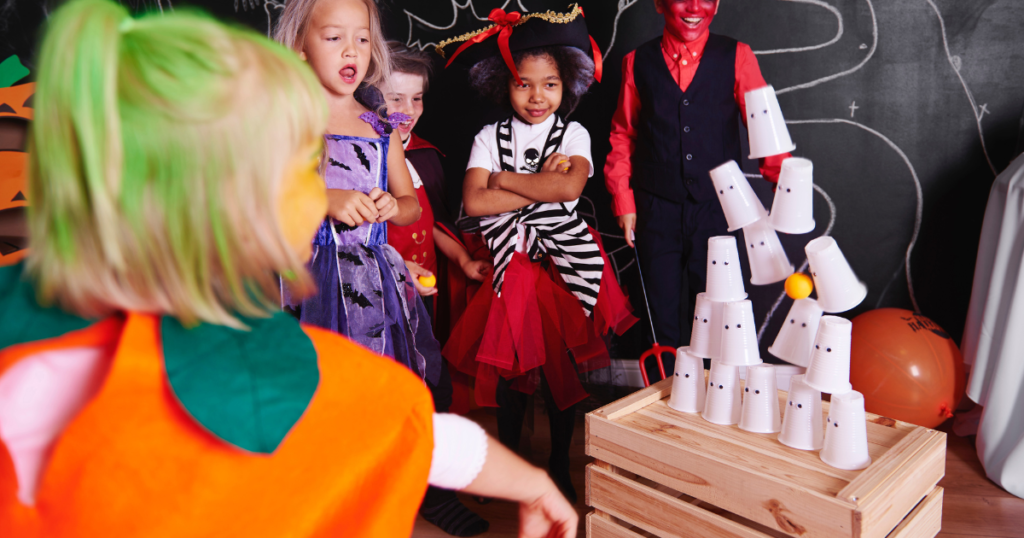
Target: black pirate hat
{"points": [[513, 32]]}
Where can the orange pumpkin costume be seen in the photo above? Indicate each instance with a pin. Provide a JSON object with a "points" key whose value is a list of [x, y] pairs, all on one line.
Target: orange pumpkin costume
{"points": [[135, 462]]}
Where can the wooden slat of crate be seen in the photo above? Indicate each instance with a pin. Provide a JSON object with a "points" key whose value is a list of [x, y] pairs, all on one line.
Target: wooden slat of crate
{"points": [[924, 521], [757, 478], [599, 526], [657, 512], [888, 489]]}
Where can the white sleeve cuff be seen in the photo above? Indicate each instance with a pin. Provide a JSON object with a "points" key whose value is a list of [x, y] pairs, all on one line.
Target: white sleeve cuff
{"points": [[460, 450]]}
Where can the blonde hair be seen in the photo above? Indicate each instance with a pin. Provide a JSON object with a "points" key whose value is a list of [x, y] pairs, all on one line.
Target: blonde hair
{"points": [[155, 163], [294, 22]]}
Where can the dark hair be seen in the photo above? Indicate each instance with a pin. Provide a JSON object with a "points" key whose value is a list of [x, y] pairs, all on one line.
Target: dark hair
{"points": [[412, 61], [491, 77]]}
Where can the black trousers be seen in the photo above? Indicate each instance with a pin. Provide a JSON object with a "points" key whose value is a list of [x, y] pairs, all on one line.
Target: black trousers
{"points": [[512, 410], [672, 240]]}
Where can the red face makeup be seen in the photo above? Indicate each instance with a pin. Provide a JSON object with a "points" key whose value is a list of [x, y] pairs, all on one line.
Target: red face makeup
{"points": [[687, 19]]}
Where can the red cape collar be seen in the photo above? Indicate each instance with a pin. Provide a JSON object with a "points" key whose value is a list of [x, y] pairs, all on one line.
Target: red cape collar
{"points": [[415, 142]]}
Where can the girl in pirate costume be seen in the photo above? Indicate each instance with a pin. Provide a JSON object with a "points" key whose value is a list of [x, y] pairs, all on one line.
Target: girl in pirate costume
{"points": [[554, 294]]}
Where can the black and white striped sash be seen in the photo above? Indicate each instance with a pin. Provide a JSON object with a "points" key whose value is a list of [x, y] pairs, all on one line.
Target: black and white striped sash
{"points": [[551, 229]]}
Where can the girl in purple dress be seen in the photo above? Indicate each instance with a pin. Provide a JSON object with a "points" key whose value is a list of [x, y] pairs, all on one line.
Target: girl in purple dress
{"points": [[365, 291]]}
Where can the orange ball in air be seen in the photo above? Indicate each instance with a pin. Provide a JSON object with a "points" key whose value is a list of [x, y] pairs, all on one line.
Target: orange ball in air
{"points": [[428, 281], [799, 286]]}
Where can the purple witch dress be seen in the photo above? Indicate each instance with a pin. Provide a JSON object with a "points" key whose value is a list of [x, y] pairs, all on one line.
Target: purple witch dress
{"points": [[364, 291]]}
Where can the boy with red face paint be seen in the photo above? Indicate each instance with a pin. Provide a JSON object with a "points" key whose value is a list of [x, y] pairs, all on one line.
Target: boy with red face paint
{"points": [[677, 118]]}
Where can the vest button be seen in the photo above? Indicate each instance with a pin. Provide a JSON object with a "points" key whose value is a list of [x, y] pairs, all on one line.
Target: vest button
{"points": [[689, 157], [686, 102], [686, 129], [689, 181]]}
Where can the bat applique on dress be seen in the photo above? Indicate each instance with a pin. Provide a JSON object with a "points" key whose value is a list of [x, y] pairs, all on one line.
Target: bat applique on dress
{"points": [[354, 296], [341, 165], [349, 257], [362, 157]]}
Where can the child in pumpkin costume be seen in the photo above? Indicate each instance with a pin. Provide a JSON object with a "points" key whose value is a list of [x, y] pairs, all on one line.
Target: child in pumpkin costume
{"points": [[147, 388]]}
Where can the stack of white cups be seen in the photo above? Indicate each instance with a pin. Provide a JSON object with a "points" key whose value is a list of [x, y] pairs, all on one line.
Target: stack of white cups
{"points": [[742, 208]]}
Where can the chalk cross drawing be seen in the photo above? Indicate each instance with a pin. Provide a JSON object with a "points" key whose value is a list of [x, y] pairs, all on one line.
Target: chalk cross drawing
{"points": [[853, 108], [982, 111]]}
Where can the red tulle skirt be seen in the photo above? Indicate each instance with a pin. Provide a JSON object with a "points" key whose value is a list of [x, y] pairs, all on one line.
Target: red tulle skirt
{"points": [[537, 323]]}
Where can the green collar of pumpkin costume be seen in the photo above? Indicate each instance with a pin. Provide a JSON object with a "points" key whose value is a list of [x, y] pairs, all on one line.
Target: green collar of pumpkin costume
{"points": [[248, 388]]}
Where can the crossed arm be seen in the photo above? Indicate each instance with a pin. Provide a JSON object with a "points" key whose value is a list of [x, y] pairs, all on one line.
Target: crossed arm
{"points": [[561, 179]]}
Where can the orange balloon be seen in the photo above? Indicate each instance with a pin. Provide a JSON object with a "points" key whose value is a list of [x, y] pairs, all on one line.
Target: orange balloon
{"points": [[906, 367]]}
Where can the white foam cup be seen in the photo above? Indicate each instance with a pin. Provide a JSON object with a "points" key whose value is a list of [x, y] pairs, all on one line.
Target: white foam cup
{"points": [[739, 203], [837, 286], [793, 206], [725, 278], [760, 412], [739, 335], [723, 402], [700, 335], [795, 340], [688, 388], [801, 425], [766, 127], [768, 261], [846, 433], [829, 370], [706, 336]]}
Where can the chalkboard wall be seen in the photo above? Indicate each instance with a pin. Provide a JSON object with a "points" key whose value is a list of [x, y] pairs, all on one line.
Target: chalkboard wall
{"points": [[908, 110]]}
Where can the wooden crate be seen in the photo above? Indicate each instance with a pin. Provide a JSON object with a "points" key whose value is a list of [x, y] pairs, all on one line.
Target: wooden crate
{"points": [[663, 473]]}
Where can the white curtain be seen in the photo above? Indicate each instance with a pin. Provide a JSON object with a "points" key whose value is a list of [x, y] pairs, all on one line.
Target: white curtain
{"points": [[994, 335]]}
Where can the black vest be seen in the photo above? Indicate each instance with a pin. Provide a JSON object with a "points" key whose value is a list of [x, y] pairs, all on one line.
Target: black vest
{"points": [[683, 135]]}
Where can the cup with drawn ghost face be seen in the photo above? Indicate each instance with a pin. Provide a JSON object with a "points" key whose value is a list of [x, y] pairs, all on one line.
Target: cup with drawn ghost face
{"points": [[725, 278], [706, 336], [801, 423], [837, 286], [793, 206], [829, 369], [760, 411], [795, 340], [739, 336], [722, 405], [846, 433], [739, 203], [768, 261], [766, 128], [688, 388]]}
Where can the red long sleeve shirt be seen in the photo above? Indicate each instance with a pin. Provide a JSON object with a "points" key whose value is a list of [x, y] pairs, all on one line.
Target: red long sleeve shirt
{"points": [[682, 60]]}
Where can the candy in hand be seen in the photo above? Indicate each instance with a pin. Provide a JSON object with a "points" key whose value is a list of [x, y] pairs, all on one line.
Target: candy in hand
{"points": [[428, 281]]}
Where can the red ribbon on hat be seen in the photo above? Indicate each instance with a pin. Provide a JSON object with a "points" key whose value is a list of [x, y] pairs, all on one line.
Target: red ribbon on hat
{"points": [[598, 63], [503, 27], [503, 24]]}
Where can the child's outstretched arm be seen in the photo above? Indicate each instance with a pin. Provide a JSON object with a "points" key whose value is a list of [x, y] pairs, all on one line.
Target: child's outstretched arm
{"points": [[467, 459], [479, 201], [474, 269], [399, 204], [561, 179]]}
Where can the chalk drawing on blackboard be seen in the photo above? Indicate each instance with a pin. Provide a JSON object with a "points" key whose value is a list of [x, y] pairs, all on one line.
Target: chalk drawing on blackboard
{"points": [[853, 108], [854, 69], [956, 64], [419, 25], [905, 266], [623, 6], [839, 31]]}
